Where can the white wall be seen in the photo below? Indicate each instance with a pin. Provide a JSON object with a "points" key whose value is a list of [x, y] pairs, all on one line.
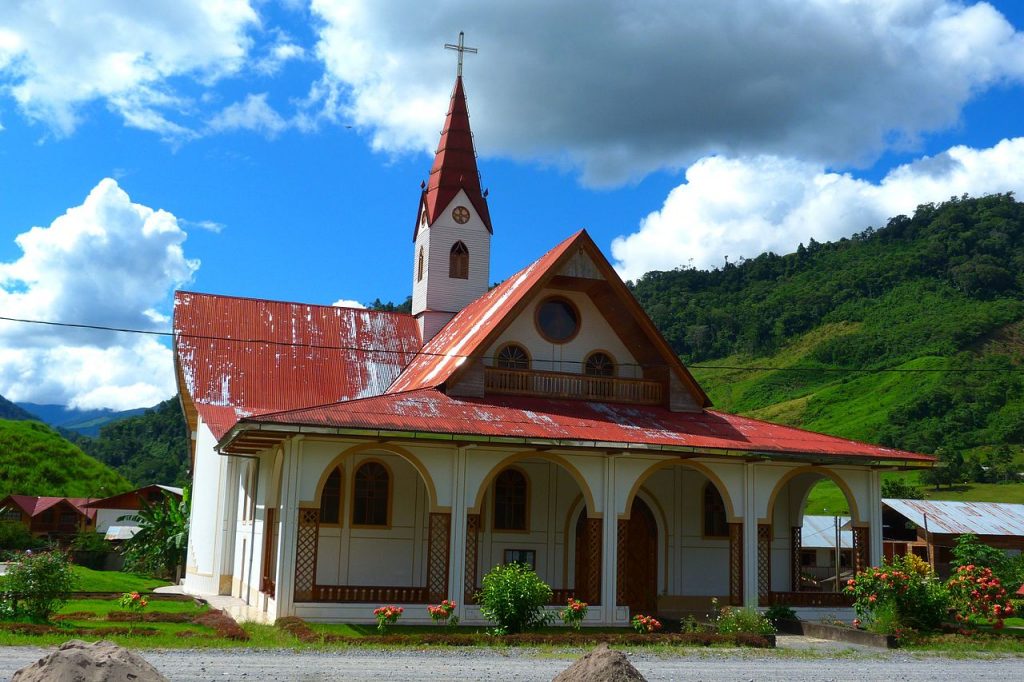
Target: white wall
{"points": [[202, 575]]}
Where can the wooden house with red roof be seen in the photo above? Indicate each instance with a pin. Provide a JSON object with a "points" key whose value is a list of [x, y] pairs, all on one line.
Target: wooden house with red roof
{"points": [[347, 458], [54, 518]]}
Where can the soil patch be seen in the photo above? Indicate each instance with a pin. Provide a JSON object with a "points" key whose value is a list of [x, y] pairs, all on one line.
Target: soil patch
{"points": [[78, 661], [601, 665]]}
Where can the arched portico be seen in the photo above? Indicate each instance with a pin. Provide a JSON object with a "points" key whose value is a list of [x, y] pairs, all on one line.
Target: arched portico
{"points": [[784, 574]]}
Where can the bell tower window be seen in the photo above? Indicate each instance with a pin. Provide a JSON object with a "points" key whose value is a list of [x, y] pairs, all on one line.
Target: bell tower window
{"points": [[458, 261], [419, 266]]}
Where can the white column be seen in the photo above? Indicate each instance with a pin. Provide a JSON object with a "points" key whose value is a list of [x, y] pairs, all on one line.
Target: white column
{"points": [[609, 545], [750, 587], [229, 526], [288, 527], [457, 541], [875, 519]]}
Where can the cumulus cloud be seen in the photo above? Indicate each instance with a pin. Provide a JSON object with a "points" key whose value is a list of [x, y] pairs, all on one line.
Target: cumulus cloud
{"points": [[279, 53], [253, 114], [56, 56], [107, 262], [741, 207], [347, 303], [621, 89]]}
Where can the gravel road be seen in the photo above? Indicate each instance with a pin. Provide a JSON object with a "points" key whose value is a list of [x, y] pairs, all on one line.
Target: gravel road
{"points": [[829, 663]]}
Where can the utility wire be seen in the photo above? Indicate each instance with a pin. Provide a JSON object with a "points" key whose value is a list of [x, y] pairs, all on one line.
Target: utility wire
{"points": [[360, 349]]}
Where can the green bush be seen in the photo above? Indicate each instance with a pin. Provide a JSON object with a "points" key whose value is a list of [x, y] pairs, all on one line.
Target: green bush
{"points": [[36, 585], [90, 541], [747, 621], [903, 593], [777, 613], [513, 598], [14, 536]]}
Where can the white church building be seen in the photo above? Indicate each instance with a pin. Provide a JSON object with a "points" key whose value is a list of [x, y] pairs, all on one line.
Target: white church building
{"points": [[345, 458]]}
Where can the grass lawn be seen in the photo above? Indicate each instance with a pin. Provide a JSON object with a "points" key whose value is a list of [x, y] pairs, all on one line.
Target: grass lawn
{"points": [[92, 613], [826, 495], [114, 581]]}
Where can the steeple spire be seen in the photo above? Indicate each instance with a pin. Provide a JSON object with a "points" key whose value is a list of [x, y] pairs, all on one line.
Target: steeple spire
{"points": [[455, 160]]}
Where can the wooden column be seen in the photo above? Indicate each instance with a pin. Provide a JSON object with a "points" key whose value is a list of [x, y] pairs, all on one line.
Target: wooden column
{"points": [[736, 564], [472, 550], [861, 548], [307, 541], [267, 581], [437, 555]]}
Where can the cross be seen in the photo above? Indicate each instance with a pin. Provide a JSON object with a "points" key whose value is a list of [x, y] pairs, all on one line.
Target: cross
{"points": [[460, 48]]}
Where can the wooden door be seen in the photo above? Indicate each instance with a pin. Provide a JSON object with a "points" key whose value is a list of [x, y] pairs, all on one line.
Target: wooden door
{"points": [[641, 589]]}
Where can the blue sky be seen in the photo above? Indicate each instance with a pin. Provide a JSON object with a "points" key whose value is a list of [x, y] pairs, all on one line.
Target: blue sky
{"points": [[284, 143]]}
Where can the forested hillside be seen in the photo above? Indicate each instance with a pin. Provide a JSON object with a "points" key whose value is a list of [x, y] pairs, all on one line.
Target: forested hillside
{"points": [[149, 448], [9, 410], [35, 460], [801, 338]]}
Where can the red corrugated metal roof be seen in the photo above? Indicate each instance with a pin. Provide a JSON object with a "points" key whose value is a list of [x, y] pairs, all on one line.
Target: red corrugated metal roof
{"points": [[243, 356], [34, 505], [454, 166], [430, 411]]}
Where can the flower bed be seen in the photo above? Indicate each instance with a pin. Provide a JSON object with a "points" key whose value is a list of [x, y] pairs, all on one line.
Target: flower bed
{"points": [[301, 631]]}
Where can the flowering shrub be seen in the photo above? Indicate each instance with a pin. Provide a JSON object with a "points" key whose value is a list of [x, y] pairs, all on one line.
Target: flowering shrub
{"points": [[976, 594], [574, 613], [387, 616], [731, 621], [36, 585], [443, 613], [901, 594], [645, 624], [133, 601]]}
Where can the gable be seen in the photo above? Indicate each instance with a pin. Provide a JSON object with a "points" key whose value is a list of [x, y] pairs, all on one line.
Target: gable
{"points": [[575, 268]]}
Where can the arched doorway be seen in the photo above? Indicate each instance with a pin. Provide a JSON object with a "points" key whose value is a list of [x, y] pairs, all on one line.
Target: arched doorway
{"points": [[640, 562]]}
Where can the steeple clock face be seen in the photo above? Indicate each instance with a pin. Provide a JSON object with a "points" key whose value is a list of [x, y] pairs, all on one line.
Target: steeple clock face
{"points": [[460, 214]]}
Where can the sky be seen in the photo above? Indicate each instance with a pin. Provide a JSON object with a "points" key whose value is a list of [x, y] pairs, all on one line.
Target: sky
{"points": [[275, 149]]}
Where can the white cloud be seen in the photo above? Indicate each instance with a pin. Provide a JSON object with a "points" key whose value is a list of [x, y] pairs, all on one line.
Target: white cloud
{"points": [[251, 114], [208, 225], [347, 303], [107, 262], [282, 51], [741, 207], [56, 56], [621, 89]]}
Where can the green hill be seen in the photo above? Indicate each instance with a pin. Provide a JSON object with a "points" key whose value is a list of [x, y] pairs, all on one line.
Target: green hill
{"points": [[35, 460], [804, 338], [148, 448]]}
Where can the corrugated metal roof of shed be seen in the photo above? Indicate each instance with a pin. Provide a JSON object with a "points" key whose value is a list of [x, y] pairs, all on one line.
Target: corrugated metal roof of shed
{"points": [[244, 356], [955, 518], [431, 411], [819, 532]]}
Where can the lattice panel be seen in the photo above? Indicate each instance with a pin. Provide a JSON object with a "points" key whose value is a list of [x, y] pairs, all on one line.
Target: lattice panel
{"points": [[438, 544], [736, 564], [305, 553], [620, 562], [472, 551], [592, 550], [796, 543], [861, 548], [764, 560]]}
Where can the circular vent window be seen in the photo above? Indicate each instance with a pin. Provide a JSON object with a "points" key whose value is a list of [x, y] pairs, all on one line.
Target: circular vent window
{"points": [[558, 320]]}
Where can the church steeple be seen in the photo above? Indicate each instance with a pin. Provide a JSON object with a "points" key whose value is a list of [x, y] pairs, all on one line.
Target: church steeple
{"points": [[454, 166], [451, 262]]}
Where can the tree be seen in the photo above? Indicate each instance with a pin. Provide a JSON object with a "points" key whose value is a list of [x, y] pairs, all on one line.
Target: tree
{"points": [[159, 547], [900, 489]]}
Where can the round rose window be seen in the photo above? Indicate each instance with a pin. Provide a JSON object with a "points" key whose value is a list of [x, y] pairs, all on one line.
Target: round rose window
{"points": [[558, 320]]}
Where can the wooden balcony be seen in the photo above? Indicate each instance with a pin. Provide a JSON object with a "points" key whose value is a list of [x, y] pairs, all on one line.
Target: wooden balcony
{"points": [[574, 386]]}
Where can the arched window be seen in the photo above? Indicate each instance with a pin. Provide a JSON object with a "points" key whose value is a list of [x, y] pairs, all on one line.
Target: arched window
{"points": [[510, 500], [330, 498], [716, 523], [370, 499], [419, 267], [512, 356], [458, 261], [599, 364]]}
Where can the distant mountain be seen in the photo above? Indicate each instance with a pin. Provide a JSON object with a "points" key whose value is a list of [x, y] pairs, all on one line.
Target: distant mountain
{"points": [[9, 410], [35, 460], [86, 422]]}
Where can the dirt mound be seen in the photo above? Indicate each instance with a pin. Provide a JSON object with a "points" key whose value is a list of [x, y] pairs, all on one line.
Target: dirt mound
{"points": [[78, 661], [601, 665]]}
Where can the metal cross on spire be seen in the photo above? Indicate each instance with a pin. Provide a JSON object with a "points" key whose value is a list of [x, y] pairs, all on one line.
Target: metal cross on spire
{"points": [[460, 48]]}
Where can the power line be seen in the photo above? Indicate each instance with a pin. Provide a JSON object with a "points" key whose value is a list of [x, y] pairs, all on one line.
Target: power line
{"points": [[361, 349]]}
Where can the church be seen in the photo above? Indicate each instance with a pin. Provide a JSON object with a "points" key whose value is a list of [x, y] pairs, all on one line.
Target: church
{"points": [[344, 459]]}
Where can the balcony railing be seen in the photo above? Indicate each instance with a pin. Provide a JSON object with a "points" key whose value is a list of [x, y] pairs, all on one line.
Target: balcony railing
{"points": [[576, 386]]}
